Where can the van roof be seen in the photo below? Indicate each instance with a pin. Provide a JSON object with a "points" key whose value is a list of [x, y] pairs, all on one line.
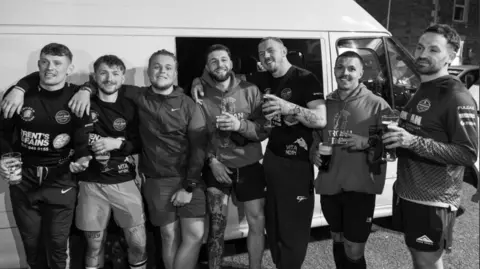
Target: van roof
{"points": [[275, 15]]}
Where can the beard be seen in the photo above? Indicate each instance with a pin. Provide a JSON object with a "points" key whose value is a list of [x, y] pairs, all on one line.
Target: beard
{"points": [[102, 89], [220, 78], [272, 67], [428, 69]]}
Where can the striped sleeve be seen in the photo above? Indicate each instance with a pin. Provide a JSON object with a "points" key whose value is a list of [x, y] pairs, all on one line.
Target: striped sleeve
{"points": [[461, 123]]}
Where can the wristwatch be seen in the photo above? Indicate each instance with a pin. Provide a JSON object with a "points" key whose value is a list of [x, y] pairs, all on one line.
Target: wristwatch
{"points": [[189, 185]]}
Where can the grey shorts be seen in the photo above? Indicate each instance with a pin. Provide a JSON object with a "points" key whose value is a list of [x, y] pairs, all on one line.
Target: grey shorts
{"points": [[158, 193], [96, 201]]}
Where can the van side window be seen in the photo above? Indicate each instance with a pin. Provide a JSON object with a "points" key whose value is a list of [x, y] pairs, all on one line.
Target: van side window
{"points": [[375, 73], [304, 53], [405, 80]]}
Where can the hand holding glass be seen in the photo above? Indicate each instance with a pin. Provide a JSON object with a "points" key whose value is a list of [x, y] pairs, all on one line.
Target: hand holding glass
{"points": [[391, 119], [225, 135], [12, 163], [325, 151], [268, 123]]}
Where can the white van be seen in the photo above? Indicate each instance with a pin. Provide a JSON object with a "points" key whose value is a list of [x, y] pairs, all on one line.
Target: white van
{"points": [[314, 31]]}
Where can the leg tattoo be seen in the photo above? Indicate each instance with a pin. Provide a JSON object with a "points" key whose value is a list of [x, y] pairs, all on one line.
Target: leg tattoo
{"points": [[218, 223], [94, 248], [137, 241]]}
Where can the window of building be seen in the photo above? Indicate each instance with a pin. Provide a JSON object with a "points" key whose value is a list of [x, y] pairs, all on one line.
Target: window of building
{"points": [[460, 10]]}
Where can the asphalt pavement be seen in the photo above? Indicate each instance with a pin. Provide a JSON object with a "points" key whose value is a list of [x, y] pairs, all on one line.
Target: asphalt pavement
{"points": [[385, 248]]}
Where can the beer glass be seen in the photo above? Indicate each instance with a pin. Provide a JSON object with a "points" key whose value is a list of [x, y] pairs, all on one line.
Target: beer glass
{"points": [[391, 119], [325, 156], [13, 162], [227, 106], [268, 123]]}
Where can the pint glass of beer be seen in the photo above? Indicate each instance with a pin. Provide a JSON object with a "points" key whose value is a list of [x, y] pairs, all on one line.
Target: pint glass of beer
{"points": [[391, 119], [13, 162], [325, 155]]}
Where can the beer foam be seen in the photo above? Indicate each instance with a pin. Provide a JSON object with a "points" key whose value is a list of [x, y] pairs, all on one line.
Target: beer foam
{"points": [[325, 150], [389, 122]]}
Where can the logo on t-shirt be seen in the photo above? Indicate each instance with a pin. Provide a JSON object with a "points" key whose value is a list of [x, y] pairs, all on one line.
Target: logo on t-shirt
{"points": [[27, 114], [302, 143], [62, 117], [61, 141], [467, 115], [286, 94], [339, 133], [291, 150], [423, 105], [119, 124]]}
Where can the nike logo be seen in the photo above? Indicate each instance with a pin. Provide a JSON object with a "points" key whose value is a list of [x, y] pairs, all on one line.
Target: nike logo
{"points": [[65, 191], [175, 109]]}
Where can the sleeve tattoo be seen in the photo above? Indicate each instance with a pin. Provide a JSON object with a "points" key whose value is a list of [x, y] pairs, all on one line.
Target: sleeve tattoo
{"points": [[305, 113]]}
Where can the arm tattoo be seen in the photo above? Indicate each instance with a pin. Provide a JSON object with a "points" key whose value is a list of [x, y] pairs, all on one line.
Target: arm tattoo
{"points": [[309, 116], [305, 113], [137, 242], [218, 223]]}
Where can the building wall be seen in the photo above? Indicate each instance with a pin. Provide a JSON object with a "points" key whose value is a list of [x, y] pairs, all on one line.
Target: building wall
{"points": [[409, 18]]}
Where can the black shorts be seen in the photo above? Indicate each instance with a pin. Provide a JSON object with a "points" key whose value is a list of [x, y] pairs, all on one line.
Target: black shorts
{"points": [[248, 182], [350, 213], [426, 228]]}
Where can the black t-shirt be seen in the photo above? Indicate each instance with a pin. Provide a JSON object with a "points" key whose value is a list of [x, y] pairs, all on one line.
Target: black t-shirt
{"points": [[290, 138], [116, 120], [47, 133]]}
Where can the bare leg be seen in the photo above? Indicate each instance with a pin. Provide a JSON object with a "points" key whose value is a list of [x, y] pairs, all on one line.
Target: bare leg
{"points": [[256, 229], [94, 248], [218, 206], [354, 254], [427, 260], [192, 235], [170, 241], [137, 243]]}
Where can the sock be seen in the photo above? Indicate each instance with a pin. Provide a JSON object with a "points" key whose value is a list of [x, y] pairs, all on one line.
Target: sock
{"points": [[355, 264], [338, 254]]}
